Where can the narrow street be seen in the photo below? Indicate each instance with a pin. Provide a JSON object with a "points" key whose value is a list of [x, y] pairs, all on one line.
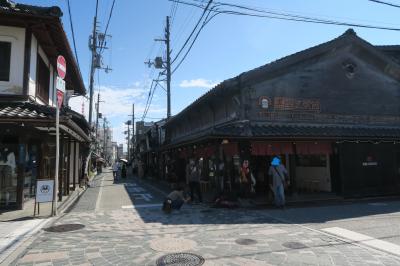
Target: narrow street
{"points": [[121, 224]]}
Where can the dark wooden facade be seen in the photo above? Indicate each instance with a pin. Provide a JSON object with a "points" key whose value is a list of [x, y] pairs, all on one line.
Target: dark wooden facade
{"points": [[338, 100]]}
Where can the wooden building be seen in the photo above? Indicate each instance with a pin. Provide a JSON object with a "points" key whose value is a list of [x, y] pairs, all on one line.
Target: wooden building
{"points": [[31, 39], [331, 112]]}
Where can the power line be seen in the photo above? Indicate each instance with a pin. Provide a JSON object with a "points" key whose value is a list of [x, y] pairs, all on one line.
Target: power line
{"points": [[193, 31], [385, 3], [283, 16], [108, 23], [73, 33]]}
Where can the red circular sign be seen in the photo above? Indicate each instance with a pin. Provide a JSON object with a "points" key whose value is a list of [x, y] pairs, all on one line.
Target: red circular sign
{"points": [[61, 66]]}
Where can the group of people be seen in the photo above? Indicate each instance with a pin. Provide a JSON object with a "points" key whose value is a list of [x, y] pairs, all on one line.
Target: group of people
{"points": [[277, 172]]}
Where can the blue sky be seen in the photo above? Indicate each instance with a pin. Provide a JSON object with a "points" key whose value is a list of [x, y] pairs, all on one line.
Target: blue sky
{"points": [[227, 46]]}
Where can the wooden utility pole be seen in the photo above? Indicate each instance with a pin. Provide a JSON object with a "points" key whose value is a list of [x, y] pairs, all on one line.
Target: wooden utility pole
{"points": [[93, 66], [168, 66]]}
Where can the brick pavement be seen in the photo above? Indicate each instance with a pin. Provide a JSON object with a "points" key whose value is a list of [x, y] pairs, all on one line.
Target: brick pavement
{"points": [[140, 236]]}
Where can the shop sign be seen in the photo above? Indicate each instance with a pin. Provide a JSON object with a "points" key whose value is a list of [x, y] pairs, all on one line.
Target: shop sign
{"points": [[370, 162], [44, 190], [297, 104]]}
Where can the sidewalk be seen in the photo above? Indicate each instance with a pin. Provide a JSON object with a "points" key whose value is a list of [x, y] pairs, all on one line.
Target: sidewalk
{"points": [[19, 226]]}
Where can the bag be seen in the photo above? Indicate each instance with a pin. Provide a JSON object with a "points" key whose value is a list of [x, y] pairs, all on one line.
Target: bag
{"points": [[284, 182]]}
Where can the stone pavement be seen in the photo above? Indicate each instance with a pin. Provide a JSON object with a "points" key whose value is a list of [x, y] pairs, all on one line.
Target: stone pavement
{"points": [[140, 236]]}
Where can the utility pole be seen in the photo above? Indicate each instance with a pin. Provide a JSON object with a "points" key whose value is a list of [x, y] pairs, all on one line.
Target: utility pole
{"points": [[92, 66], [133, 128], [167, 40], [159, 63], [105, 138], [98, 115], [129, 139]]}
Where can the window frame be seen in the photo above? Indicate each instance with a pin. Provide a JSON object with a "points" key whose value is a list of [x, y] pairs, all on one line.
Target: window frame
{"points": [[39, 94], [10, 61], [12, 77]]}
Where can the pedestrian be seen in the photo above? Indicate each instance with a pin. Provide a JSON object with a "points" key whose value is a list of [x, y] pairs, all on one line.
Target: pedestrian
{"points": [[280, 178], [245, 179], [115, 169], [194, 180], [174, 200], [123, 170]]}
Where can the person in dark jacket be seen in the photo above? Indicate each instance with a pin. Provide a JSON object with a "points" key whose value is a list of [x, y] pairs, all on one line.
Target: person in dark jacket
{"points": [[194, 173]]}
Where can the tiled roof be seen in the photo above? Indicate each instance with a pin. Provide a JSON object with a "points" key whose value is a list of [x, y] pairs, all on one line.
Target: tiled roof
{"points": [[298, 130], [8, 6], [286, 62], [20, 112]]}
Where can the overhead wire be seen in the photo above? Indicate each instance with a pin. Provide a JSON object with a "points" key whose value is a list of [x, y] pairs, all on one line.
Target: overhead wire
{"points": [[385, 3], [73, 33], [193, 31], [102, 44], [284, 16]]}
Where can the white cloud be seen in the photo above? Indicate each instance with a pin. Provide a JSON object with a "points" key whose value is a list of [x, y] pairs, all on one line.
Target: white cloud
{"points": [[117, 106], [198, 83]]}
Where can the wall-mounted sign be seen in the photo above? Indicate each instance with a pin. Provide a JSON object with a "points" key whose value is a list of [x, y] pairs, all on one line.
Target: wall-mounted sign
{"points": [[264, 102], [296, 104], [44, 190]]}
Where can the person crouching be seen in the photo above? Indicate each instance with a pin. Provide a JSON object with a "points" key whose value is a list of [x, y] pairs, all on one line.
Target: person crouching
{"points": [[174, 200]]}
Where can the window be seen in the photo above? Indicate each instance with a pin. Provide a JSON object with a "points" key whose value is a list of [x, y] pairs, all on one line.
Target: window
{"points": [[5, 58], [43, 80]]}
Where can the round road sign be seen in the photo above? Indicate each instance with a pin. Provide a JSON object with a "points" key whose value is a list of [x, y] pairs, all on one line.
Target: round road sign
{"points": [[61, 66]]}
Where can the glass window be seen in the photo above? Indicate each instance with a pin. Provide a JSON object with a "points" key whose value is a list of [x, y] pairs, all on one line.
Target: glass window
{"points": [[5, 59], [311, 160], [43, 80]]}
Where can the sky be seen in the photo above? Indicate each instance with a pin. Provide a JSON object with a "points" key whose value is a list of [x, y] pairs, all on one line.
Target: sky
{"points": [[226, 47]]}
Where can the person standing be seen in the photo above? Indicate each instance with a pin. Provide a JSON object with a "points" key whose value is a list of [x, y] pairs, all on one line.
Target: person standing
{"points": [[245, 179], [280, 177], [115, 170], [194, 180]]}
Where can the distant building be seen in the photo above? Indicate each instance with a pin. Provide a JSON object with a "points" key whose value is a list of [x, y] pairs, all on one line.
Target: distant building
{"points": [[120, 151]]}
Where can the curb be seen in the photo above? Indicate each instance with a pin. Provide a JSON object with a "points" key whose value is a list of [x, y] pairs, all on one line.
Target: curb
{"points": [[21, 246]]}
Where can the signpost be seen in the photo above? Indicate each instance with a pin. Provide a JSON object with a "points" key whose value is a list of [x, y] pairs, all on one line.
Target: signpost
{"points": [[44, 193], [60, 88]]}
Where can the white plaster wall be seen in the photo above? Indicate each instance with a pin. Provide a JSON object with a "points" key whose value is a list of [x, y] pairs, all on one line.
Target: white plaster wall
{"points": [[32, 67], [314, 178], [16, 36]]}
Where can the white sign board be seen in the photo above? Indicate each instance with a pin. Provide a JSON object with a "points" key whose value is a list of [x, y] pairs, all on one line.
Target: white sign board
{"points": [[44, 190], [60, 84]]}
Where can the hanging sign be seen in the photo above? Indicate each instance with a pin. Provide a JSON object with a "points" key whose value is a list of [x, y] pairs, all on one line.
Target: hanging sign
{"points": [[60, 98], [44, 190], [60, 84]]}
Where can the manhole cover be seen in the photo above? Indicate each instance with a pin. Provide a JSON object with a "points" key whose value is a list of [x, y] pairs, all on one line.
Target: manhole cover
{"points": [[64, 228], [294, 245], [172, 244], [245, 241], [180, 259]]}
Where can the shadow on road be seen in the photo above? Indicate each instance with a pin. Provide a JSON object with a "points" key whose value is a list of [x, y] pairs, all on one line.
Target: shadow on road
{"points": [[299, 214]]}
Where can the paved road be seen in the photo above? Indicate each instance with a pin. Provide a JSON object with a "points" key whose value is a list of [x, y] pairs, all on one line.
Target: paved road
{"points": [[121, 224]]}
